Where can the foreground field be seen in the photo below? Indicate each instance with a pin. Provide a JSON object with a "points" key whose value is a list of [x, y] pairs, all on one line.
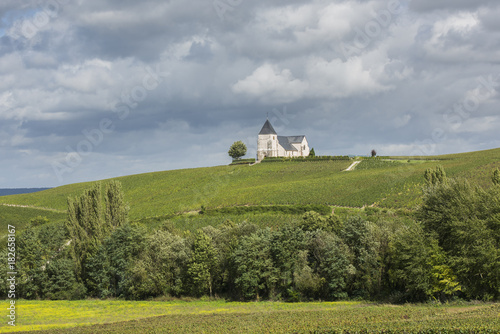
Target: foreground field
{"points": [[91, 316]]}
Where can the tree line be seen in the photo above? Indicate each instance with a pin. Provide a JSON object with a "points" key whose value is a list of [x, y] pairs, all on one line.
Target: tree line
{"points": [[450, 250]]}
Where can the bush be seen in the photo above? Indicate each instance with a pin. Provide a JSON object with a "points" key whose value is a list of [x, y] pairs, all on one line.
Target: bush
{"points": [[304, 159]]}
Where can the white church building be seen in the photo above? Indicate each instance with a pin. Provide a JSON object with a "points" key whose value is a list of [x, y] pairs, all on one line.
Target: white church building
{"points": [[269, 144]]}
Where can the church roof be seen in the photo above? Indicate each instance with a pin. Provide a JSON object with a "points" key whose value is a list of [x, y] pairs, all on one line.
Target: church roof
{"points": [[267, 129], [287, 141], [295, 139]]}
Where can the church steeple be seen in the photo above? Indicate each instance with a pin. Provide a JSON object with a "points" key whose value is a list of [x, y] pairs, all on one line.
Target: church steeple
{"points": [[267, 129]]}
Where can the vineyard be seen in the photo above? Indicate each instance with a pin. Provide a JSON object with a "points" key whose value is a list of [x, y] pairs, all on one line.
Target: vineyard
{"points": [[390, 184]]}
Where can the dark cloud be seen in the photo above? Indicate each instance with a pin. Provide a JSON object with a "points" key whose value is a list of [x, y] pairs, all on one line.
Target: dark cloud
{"points": [[430, 5], [185, 81]]}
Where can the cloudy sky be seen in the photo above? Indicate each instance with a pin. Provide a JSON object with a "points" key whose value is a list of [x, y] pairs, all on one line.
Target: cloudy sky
{"points": [[97, 89]]}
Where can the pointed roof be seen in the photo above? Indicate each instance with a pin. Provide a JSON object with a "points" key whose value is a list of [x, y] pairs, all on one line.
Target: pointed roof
{"points": [[267, 129]]}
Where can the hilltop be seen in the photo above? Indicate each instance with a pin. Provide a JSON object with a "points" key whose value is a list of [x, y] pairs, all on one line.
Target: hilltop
{"points": [[392, 182]]}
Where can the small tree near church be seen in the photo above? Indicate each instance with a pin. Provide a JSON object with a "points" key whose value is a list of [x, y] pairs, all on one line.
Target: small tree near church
{"points": [[237, 150]]}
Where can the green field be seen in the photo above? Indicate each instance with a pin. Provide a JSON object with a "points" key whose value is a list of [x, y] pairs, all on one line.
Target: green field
{"points": [[92, 316], [390, 184]]}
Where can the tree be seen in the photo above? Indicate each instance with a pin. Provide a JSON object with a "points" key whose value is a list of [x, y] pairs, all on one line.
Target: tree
{"points": [[159, 269], [32, 261], [88, 223], [466, 221], [109, 270], [116, 209], [61, 281], [85, 226], [256, 275], [357, 235], [312, 154], [286, 244], [374, 153], [312, 221], [44, 268], [417, 266], [202, 265], [237, 150], [331, 260], [496, 177], [435, 176]]}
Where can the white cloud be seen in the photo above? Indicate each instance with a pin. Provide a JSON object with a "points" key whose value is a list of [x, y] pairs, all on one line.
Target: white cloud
{"points": [[271, 84], [334, 79], [462, 23], [478, 125], [323, 79], [86, 77]]}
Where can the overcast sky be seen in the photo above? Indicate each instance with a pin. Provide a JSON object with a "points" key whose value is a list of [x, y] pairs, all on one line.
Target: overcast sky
{"points": [[97, 89]]}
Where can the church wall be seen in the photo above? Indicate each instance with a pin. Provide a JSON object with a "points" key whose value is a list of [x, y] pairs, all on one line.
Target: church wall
{"points": [[306, 151], [264, 149]]}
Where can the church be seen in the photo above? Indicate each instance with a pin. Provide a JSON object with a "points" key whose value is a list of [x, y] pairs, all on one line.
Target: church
{"points": [[269, 144]]}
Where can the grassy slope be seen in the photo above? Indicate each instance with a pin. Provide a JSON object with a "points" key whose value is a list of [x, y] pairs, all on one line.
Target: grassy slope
{"points": [[387, 184], [20, 216], [234, 317]]}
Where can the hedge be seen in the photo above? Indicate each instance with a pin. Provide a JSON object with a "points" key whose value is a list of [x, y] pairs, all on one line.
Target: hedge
{"points": [[290, 209]]}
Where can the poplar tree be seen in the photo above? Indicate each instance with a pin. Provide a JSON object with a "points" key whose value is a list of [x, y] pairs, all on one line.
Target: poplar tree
{"points": [[91, 219], [116, 209]]}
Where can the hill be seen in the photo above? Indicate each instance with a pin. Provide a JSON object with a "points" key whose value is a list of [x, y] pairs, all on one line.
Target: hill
{"points": [[394, 182], [256, 241], [16, 191]]}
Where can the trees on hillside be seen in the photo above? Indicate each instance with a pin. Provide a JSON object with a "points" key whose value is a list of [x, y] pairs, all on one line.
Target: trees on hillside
{"points": [[237, 150], [91, 218], [466, 221], [45, 270]]}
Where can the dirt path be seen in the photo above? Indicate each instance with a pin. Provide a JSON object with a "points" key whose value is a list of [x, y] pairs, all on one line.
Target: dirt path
{"points": [[352, 166], [31, 207]]}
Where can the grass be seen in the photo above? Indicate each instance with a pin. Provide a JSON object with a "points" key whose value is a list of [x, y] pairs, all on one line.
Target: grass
{"points": [[112, 316], [379, 182], [193, 221]]}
